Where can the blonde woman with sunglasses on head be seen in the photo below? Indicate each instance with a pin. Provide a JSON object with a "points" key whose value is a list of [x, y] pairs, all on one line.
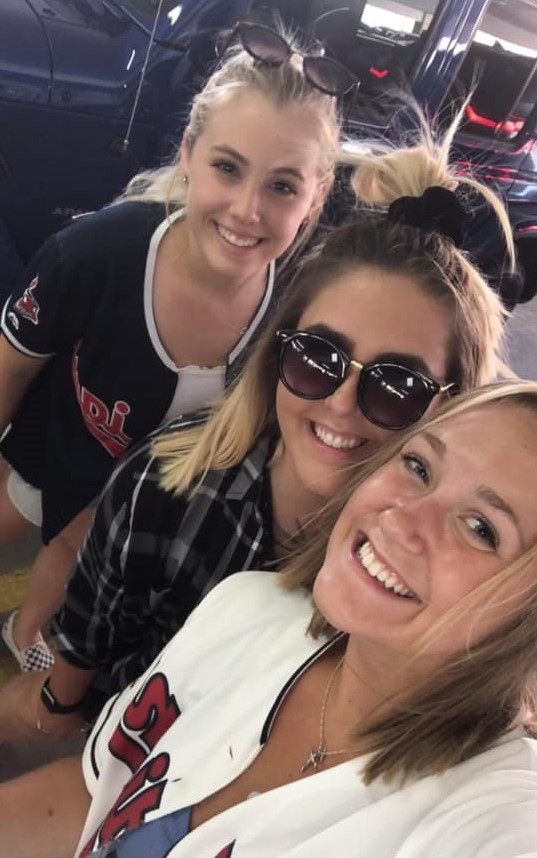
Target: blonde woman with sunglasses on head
{"points": [[378, 695], [384, 320], [144, 311]]}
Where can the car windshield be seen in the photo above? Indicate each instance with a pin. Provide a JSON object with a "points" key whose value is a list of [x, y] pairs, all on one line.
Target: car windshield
{"points": [[499, 72], [380, 42]]}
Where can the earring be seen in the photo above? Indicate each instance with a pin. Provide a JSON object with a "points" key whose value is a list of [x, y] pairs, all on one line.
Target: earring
{"points": [[185, 179]]}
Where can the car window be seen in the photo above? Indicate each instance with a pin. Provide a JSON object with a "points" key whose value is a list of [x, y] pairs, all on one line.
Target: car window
{"points": [[380, 45], [499, 71], [379, 42]]}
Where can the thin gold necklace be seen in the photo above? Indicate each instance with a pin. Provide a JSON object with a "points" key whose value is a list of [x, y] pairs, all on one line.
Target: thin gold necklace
{"points": [[317, 756]]}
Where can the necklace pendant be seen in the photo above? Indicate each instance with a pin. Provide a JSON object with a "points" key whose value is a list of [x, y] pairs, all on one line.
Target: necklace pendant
{"points": [[315, 758]]}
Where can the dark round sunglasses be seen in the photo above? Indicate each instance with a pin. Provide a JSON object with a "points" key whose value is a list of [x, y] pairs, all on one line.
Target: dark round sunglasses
{"points": [[389, 394], [267, 46]]}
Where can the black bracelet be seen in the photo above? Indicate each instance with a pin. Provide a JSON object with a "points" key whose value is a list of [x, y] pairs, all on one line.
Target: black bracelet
{"points": [[51, 703]]}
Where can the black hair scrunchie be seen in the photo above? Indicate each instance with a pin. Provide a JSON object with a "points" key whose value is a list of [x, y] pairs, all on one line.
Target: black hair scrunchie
{"points": [[437, 210]]}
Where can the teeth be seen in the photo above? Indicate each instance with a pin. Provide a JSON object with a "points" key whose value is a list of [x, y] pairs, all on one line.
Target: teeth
{"points": [[235, 239], [377, 570], [336, 441]]}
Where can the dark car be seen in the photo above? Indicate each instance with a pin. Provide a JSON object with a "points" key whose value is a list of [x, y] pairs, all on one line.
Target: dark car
{"points": [[91, 91]]}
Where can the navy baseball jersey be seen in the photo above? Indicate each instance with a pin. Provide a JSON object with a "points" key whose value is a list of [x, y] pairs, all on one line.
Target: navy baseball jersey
{"points": [[87, 305]]}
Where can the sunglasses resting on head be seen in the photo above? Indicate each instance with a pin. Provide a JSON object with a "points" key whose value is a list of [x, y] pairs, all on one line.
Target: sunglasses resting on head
{"points": [[389, 394], [267, 46]]}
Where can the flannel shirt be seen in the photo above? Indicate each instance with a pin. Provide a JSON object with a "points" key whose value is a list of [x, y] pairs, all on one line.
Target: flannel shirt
{"points": [[151, 556]]}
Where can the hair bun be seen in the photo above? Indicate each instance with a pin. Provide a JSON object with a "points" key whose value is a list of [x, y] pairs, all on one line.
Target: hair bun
{"points": [[437, 210]]}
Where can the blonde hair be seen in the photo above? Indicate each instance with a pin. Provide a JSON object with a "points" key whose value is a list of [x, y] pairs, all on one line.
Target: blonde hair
{"points": [[395, 171], [284, 86], [476, 345], [481, 692]]}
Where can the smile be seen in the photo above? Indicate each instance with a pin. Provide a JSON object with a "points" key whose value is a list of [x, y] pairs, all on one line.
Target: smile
{"points": [[236, 240], [389, 580], [332, 439]]}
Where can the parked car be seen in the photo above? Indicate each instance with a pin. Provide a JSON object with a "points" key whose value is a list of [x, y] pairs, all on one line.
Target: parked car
{"points": [[93, 90]]}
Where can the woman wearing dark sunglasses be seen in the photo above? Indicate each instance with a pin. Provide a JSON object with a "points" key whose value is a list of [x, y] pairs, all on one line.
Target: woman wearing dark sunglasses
{"points": [[381, 322]]}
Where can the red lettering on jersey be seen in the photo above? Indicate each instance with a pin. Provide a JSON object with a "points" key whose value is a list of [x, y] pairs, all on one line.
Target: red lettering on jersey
{"points": [[27, 306], [226, 851], [146, 719], [135, 801], [105, 427]]}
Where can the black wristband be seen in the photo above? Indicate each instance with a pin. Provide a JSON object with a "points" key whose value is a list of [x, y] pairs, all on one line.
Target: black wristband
{"points": [[52, 705]]}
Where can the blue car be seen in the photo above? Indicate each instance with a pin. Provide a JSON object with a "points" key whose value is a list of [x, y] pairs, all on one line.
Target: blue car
{"points": [[91, 91]]}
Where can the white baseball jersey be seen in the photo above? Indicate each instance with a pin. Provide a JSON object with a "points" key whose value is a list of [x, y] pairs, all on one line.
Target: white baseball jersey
{"points": [[201, 713]]}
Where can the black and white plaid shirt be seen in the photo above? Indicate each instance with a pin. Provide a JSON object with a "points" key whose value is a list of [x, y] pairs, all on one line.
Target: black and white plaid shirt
{"points": [[151, 556]]}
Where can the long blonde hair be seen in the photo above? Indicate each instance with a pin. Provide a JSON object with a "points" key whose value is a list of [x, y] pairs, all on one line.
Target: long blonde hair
{"points": [[481, 692]]}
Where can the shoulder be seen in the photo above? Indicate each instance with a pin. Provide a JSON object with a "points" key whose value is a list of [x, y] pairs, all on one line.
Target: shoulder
{"points": [[511, 756], [117, 216], [485, 806], [144, 448], [247, 636], [252, 598], [138, 459], [117, 226], [80, 275], [245, 617], [135, 484], [181, 423], [141, 463]]}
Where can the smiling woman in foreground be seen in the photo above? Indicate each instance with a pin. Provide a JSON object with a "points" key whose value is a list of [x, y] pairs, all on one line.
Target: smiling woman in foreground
{"points": [[393, 717]]}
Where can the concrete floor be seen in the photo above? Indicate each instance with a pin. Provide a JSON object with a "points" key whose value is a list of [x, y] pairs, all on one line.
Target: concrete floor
{"points": [[19, 553], [522, 336]]}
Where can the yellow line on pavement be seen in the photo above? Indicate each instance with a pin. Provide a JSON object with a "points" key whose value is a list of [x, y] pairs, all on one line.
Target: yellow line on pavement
{"points": [[7, 670], [12, 589]]}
